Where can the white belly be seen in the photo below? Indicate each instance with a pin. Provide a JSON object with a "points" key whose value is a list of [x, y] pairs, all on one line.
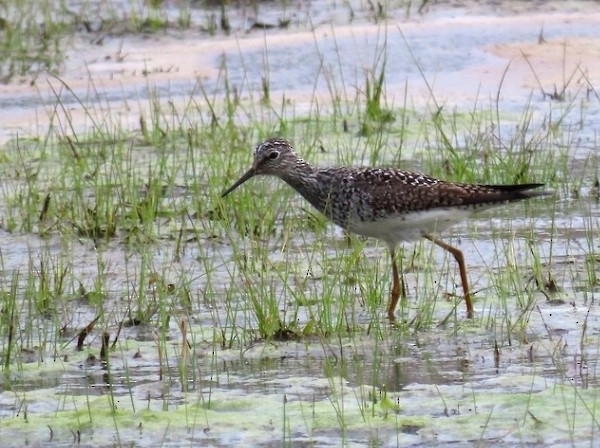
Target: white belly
{"points": [[411, 226]]}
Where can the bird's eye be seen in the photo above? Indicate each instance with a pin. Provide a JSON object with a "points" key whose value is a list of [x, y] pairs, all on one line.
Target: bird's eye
{"points": [[273, 155]]}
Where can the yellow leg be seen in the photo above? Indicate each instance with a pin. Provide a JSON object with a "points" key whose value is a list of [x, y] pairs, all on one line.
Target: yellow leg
{"points": [[398, 288], [460, 259]]}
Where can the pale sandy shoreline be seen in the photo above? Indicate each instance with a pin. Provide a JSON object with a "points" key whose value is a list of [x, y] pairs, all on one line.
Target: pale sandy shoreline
{"points": [[125, 68]]}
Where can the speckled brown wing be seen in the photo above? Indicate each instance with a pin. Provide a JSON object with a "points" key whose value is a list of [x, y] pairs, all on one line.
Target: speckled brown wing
{"points": [[397, 191]]}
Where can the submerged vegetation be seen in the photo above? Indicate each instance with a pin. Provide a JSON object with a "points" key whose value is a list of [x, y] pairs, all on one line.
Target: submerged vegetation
{"points": [[135, 298]]}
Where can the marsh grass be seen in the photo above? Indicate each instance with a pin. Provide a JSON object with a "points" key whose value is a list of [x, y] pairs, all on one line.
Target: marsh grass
{"points": [[123, 186], [139, 187], [24, 50], [37, 35]]}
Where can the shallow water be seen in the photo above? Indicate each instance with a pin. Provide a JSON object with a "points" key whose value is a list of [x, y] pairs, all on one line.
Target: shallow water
{"points": [[446, 384]]}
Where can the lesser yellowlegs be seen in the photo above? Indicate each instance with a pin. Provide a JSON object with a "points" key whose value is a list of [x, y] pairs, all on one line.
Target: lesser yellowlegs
{"points": [[384, 203]]}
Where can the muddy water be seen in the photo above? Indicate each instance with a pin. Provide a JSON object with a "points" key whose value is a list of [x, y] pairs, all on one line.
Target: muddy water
{"points": [[446, 385]]}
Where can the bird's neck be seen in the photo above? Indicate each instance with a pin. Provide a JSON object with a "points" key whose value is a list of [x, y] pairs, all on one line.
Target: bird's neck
{"points": [[306, 180], [302, 177]]}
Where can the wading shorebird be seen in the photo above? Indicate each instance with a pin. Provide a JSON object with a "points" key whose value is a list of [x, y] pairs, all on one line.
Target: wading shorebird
{"points": [[389, 204]]}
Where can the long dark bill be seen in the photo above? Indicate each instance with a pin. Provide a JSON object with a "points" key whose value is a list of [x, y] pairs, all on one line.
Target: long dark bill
{"points": [[247, 175]]}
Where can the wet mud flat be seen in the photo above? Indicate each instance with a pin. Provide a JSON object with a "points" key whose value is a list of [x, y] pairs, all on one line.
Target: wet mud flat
{"points": [[225, 329]]}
